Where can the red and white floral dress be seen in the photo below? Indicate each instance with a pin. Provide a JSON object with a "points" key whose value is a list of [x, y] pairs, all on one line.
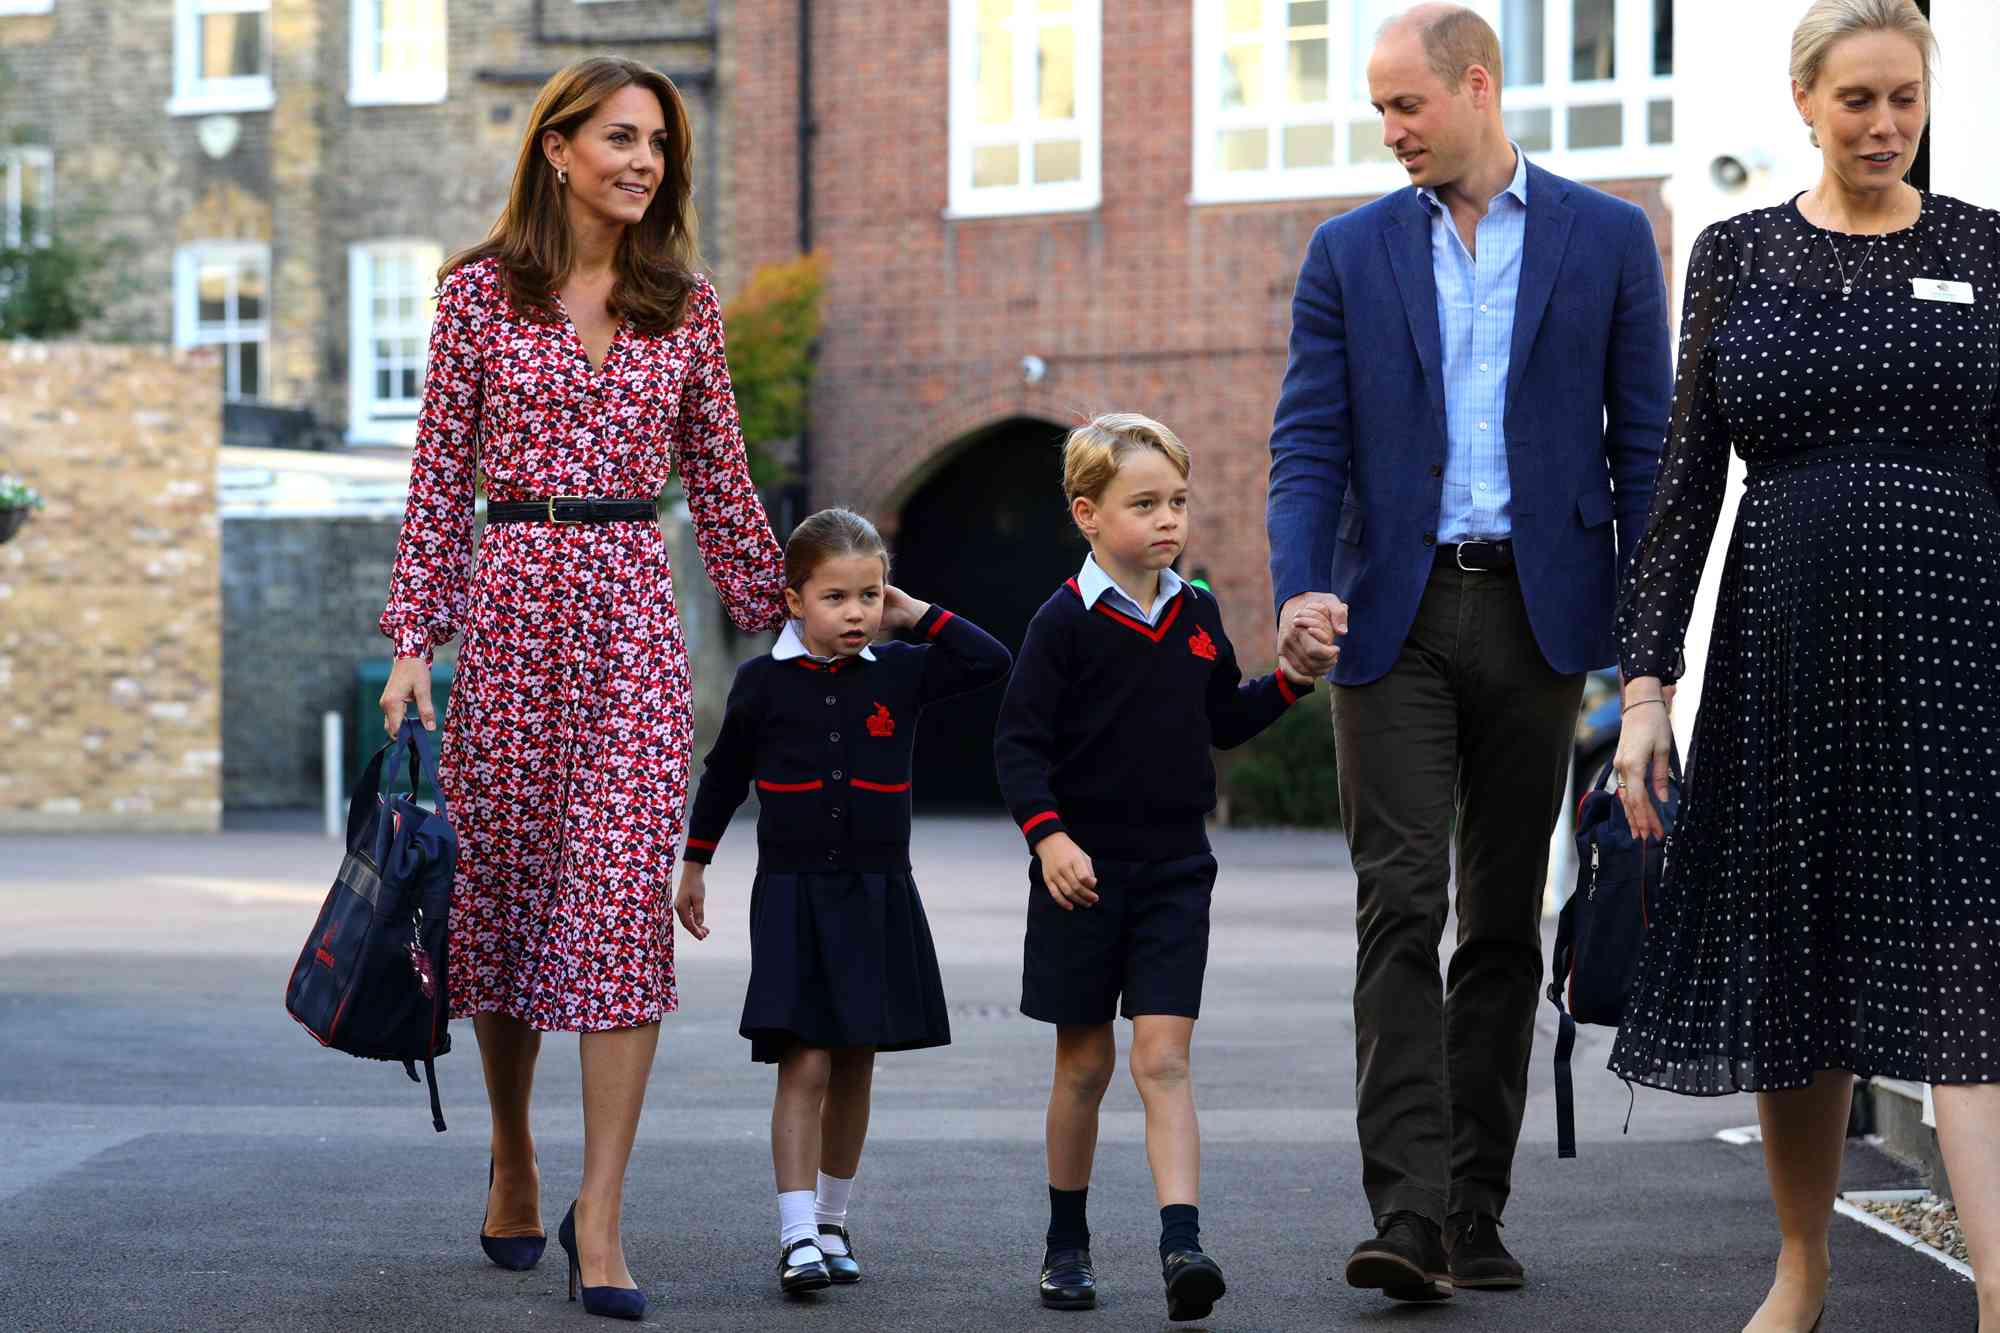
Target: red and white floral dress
{"points": [[566, 751]]}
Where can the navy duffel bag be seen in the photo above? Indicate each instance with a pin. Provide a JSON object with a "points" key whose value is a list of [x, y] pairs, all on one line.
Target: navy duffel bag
{"points": [[371, 978], [1601, 934]]}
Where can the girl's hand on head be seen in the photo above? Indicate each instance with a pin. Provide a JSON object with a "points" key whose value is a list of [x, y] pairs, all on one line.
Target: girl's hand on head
{"points": [[900, 610], [1067, 872], [691, 903]]}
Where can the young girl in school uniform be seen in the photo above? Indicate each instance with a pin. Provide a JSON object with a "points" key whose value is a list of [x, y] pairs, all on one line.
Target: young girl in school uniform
{"points": [[841, 961]]}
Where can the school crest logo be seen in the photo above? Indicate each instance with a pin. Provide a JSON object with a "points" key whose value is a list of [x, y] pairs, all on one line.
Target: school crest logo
{"points": [[1201, 645], [880, 723]]}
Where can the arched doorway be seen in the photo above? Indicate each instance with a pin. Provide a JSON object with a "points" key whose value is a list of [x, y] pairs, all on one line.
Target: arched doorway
{"points": [[986, 535]]}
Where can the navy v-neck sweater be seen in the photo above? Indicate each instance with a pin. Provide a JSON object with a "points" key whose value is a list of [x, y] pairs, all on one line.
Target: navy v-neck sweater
{"points": [[1108, 723]]}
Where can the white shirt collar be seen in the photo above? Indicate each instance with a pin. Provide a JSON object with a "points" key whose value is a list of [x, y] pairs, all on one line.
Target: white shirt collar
{"points": [[790, 645], [1093, 583]]}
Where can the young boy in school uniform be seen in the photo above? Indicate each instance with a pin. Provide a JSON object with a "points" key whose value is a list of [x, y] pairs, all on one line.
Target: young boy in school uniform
{"points": [[1124, 683]]}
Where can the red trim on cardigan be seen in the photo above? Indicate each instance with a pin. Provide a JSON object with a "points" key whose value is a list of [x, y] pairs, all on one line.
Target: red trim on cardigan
{"points": [[1042, 818], [938, 624], [701, 844], [864, 785], [1155, 633], [1285, 690], [814, 785]]}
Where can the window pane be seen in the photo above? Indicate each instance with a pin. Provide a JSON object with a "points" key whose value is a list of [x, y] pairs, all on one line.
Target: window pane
{"points": [[1532, 129], [250, 378], [1305, 69], [996, 165], [1596, 126], [1592, 39], [1522, 44], [411, 36], [1660, 121], [1057, 6], [1055, 72], [231, 45], [1242, 17], [36, 191], [1309, 145], [212, 295], [250, 291], [409, 386], [1058, 160], [1663, 36], [1242, 150], [1243, 77], [993, 63], [385, 379], [1364, 142]]}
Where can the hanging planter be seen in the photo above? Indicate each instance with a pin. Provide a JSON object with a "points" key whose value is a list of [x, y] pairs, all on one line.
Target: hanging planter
{"points": [[17, 501]]}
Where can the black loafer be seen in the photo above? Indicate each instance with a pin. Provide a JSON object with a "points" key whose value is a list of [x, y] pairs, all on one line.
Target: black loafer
{"points": [[1067, 1282], [795, 1278], [842, 1268], [1194, 1284], [1405, 1261], [1478, 1259]]}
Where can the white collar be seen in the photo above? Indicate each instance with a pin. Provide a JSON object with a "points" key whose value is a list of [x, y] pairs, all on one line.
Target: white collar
{"points": [[1092, 582], [790, 645]]}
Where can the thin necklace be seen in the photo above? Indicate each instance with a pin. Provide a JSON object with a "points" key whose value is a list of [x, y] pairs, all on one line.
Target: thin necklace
{"points": [[1847, 286]]}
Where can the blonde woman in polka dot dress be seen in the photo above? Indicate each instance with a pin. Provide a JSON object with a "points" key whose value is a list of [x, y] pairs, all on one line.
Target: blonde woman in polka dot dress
{"points": [[1833, 888]]}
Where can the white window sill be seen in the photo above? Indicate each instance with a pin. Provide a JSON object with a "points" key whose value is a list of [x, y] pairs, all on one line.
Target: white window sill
{"points": [[214, 104], [1016, 209], [420, 94], [12, 7], [401, 430]]}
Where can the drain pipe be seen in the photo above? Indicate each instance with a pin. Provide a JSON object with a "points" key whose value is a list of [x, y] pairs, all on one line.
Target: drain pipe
{"points": [[808, 129]]}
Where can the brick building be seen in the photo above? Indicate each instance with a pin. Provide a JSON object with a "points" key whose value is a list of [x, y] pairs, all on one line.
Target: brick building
{"points": [[289, 173], [1034, 210]]}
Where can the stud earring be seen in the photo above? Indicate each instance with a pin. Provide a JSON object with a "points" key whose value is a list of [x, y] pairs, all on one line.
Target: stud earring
{"points": [[562, 175]]}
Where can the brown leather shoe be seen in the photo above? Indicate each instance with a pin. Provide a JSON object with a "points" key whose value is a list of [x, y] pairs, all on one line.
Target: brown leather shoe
{"points": [[1478, 1259], [1405, 1261]]}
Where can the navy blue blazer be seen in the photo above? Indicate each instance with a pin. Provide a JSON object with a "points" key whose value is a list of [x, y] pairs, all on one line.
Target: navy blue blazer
{"points": [[1358, 445]]}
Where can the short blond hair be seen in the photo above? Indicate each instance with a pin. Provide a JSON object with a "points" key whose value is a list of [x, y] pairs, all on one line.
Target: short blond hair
{"points": [[1828, 22], [1095, 451]]}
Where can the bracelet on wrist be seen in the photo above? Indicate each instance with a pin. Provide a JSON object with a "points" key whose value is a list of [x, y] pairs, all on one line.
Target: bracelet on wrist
{"points": [[1640, 703]]}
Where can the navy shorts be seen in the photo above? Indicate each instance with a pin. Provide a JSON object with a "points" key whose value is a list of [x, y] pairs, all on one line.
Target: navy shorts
{"points": [[1146, 939]]}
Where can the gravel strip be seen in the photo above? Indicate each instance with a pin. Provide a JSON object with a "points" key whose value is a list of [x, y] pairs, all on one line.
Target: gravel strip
{"points": [[1930, 1219]]}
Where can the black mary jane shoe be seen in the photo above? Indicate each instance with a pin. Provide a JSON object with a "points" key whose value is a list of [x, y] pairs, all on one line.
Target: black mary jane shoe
{"points": [[795, 1279], [842, 1268], [1067, 1281], [1194, 1284]]}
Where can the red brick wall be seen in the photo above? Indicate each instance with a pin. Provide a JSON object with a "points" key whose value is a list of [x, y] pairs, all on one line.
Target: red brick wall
{"points": [[1144, 304]]}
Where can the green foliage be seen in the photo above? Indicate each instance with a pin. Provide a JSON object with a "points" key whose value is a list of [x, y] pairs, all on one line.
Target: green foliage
{"points": [[1286, 776], [18, 494], [771, 327], [51, 291]]}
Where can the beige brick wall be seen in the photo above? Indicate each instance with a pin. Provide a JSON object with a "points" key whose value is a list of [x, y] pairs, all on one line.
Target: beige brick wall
{"points": [[110, 598]]}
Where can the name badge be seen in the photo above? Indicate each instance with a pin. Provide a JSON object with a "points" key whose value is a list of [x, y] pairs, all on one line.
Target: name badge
{"points": [[1938, 289]]}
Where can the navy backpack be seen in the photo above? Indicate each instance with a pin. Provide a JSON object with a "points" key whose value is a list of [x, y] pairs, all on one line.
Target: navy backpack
{"points": [[371, 978], [1601, 934]]}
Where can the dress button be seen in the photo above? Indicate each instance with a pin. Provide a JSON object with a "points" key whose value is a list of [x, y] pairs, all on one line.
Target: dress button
{"points": [[829, 698], [1436, 470], [836, 775], [833, 735], [835, 814]]}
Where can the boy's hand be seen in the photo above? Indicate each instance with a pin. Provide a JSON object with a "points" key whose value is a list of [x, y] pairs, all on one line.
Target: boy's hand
{"points": [[1067, 872], [691, 903], [900, 610], [1295, 676], [1309, 629]]}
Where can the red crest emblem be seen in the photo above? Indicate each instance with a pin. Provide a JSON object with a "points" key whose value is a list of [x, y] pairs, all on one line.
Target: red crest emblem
{"points": [[1201, 645], [880, 723]]}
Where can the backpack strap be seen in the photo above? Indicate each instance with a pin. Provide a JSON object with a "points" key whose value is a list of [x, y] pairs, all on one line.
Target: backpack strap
{"points": [[1565, 1086]]}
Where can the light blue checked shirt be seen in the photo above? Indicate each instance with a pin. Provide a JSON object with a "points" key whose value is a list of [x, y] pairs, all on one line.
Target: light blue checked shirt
{"points": [[1475, 301]]}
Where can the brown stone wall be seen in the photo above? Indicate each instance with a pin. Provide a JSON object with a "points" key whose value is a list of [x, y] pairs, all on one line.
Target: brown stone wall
{"points": [[110, 598]]}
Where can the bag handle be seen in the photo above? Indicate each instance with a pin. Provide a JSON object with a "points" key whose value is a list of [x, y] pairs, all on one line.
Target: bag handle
{"points": [[1607, 779], [367, 792]]}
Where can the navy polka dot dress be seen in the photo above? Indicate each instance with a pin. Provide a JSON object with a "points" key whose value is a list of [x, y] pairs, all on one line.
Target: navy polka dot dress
{"points": [[1832, 893]]}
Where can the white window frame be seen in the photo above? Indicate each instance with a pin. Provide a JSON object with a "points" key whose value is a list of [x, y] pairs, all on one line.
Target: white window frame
{"points": [[196, 96], [27, 7], [188, 329], [11, 161], [1634, 88], [966, 133], [367, 85], [372, 420]]}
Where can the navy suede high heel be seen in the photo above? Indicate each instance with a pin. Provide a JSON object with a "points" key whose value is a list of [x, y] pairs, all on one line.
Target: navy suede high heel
{"points": [[613, 1302], [519, 1253]]}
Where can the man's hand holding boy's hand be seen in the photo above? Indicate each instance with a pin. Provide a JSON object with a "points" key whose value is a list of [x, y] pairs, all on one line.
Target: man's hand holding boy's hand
{"points": [[1067, 872]]}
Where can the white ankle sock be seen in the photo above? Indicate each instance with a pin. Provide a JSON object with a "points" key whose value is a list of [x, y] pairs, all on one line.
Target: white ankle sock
{"points": [[830, 1209], [796, 1222]]}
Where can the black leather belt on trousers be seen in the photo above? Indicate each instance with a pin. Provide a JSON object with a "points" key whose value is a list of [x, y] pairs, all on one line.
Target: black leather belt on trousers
{"points": [[1479, 557], [572, 509]]}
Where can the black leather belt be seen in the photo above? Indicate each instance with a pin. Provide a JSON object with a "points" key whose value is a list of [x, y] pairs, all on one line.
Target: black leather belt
{"points": [[572, 509], [1479, 557]]}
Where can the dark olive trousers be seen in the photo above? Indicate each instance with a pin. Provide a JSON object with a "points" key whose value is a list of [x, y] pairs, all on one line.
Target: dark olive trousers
{"points": [[1468, 738]]}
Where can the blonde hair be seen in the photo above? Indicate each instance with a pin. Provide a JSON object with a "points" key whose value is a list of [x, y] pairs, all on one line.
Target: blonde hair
{"points": [[1828, 22], [1095, 451], [829, 535]]}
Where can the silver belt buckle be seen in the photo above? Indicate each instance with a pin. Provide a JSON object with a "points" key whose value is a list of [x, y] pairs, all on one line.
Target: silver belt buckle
{"points": [[1459, 556]]}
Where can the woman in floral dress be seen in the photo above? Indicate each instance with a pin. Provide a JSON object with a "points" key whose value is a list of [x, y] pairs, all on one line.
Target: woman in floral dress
{"points": [[575, 353]]}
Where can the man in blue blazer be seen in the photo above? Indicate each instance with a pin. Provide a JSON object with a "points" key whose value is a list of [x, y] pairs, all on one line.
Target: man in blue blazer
{"points": [[1462, 458]]}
